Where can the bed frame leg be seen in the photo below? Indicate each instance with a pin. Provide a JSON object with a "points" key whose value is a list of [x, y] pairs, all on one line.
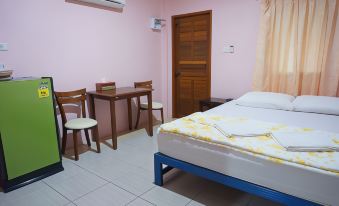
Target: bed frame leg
{"points": [[158, 172]]}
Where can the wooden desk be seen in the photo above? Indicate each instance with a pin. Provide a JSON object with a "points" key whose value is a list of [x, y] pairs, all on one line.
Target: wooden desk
{"points": [[117, 94]]}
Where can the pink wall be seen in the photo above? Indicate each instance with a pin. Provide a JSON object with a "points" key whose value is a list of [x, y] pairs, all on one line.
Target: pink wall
{"points": [[79, 45], [233, 23]]}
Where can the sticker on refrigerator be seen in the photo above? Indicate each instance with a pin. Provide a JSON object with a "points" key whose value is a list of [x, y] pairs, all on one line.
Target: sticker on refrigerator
{"points": [[43, 90]]}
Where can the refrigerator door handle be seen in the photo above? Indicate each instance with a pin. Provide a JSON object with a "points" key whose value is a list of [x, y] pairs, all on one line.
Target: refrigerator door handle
{"points": [[3, 171], [0, 139]]}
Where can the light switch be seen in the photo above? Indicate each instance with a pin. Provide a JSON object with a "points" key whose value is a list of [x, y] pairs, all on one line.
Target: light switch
{"points": [[3, 47]]}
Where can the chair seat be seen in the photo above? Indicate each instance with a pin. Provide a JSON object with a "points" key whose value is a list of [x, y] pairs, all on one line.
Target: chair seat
{"points": [[155, 105], [80, 123]]}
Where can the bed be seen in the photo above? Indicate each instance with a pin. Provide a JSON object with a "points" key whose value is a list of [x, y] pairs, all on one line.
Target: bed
{"points": [[289, 183]]}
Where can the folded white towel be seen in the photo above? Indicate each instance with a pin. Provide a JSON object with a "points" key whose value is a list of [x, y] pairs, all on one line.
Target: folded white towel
{"points": [[310, 141], [247, 128]]}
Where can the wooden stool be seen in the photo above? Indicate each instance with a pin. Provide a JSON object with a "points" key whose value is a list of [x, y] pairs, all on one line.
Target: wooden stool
{"points": [[144, 105]]}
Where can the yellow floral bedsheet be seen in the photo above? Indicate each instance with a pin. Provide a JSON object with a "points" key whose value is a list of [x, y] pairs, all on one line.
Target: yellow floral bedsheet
{"points": [[201, 126]]}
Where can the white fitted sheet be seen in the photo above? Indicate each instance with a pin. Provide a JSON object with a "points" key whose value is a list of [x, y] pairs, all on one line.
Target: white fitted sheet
{"points": [[315, 185]]}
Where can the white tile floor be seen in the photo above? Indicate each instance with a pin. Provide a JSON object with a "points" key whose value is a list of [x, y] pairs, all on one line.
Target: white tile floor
{"points": [[124, 177]]}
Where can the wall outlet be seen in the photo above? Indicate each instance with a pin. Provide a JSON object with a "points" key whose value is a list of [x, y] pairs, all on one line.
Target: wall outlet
{"points": [[229, 49], [3, 47]]}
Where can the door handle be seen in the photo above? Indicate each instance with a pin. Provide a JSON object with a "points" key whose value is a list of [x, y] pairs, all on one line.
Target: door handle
{"points": [[177, 74]]}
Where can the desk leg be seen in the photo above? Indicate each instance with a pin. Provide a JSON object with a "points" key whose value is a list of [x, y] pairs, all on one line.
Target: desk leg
{"points": [[95, 130], [129, 113], [113, 125], [91, 106], [150, 119]]}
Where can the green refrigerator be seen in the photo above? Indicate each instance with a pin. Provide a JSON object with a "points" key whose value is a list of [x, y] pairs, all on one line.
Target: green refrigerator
{"points": [[29, 134]]}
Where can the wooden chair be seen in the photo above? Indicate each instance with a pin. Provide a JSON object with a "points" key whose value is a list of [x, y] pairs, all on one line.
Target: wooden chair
{"points": [[77, 97], [105, 86], [144, 105]]}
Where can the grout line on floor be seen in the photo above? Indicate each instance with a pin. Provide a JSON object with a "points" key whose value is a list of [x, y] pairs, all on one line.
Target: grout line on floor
{"points": [[57, 191], [124, 189], [109, 181], [147, 191], [90, 192], [90, 171], [131, 201], [147, 201], [189, 202], [74, 203], [144, 169]]}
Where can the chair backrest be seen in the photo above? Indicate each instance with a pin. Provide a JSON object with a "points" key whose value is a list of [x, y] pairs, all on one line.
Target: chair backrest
{"points": [[145, 84], [105, 86], [77, 97]]}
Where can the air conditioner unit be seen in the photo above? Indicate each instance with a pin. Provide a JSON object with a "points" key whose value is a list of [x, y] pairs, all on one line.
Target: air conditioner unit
{"points": [[119, 4]]}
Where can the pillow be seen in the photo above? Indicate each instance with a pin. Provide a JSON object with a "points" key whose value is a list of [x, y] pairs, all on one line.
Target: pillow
{"points": [[268, 100], [317, 104]]}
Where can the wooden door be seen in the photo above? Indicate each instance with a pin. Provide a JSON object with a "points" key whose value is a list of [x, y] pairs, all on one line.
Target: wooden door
{"points": [[191, 61]]}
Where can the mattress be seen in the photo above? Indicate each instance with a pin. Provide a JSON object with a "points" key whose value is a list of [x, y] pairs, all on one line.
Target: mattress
{"points": [[315, 185]]}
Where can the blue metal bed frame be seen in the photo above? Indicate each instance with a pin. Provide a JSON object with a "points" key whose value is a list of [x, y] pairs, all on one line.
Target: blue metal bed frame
{"points": [[161, 159]]}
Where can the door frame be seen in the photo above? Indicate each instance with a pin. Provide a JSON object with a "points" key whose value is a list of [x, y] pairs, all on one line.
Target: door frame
{"points": [[209, 12]]}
